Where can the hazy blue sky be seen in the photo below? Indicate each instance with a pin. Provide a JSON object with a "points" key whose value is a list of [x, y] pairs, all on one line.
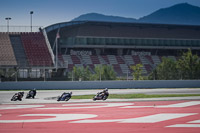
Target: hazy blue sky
{"points": [[47, 12]]}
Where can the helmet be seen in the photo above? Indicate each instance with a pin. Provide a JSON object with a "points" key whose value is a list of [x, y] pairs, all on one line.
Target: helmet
{"points": [[21, 93], [106, 89]]}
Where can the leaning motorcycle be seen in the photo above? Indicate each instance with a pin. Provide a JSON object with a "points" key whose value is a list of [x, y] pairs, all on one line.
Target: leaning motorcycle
{"points": [[17, 96], [31, 94], [101, 96], [64, 97]]}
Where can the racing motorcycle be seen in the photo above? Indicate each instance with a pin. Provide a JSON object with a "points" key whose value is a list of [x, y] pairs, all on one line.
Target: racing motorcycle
{"points": [[31, 94], [101, 96], [17, 96], [65, 96]]}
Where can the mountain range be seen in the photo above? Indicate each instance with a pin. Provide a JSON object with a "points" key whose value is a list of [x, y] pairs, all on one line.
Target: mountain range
{"points": [[183, 13]]}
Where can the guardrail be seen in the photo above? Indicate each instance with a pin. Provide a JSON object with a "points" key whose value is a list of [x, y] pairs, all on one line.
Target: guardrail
{"points": [[100, 84]]}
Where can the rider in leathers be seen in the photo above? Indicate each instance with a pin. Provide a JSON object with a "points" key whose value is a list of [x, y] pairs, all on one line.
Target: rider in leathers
{"points": [[104, 93]]}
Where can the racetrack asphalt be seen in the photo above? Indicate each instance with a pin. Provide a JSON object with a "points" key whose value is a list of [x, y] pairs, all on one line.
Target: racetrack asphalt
{"points": [[182, 116], [45, 114], [49, 96]]}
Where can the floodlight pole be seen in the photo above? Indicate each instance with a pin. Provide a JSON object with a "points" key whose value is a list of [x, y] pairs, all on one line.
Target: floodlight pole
{"points": [[7, 23], [57, 37], [31, 13], [72, 75], [100, 73], [56, 54], [127, 76]]}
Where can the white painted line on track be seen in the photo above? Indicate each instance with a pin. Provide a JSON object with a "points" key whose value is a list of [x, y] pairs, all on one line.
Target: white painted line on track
{"points": [[96, 121], [146, 119], [55, 117], [157, 118], [103, 105], [196, 121], [19, 106], [177, 105], [185, 125], [138, 107], [180, 105]]}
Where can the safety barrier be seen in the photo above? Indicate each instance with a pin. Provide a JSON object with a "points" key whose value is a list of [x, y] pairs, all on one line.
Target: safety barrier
{"points": [[100, 84]]}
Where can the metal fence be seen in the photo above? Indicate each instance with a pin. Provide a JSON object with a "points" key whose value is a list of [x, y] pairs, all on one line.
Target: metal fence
{"points": [[5, 28]]}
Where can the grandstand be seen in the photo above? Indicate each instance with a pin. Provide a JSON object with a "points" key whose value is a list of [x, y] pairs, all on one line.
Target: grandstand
{"points": [[121, 45], [59, 47], [27, 52]]}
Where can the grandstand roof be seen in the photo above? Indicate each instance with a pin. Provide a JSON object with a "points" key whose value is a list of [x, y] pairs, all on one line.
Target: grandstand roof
{"points": [[131, 30]]}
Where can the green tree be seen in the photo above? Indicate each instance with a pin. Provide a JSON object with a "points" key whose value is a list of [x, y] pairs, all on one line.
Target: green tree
{"points": [[86, 74], [189, 66], [81, 73], [104, 72], [137, 71], [167, 69], [108, 73]]}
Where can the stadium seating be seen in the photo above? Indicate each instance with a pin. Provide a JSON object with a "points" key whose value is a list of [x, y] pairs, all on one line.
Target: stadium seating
{"points": [[117, 69], [101, 60], [112, 59], [129, 59], [36, 49], [7, 57], [124, 68], [105, 58], [136, 59], [148, 68], [149, 58], [86, 59], [95, 59], [121, 64], [30, 49], [120, 60], [75, 59]]}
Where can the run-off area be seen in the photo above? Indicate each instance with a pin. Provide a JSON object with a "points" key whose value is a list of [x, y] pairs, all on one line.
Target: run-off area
{"points": [[124, 117]]}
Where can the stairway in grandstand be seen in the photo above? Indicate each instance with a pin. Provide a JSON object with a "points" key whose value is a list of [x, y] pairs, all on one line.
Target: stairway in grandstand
{"points": [[156, 60], [68, 59], [19, 50]]}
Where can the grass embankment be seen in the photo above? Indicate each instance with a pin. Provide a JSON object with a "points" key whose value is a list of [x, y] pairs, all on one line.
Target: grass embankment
{"points": [[132, 96]]}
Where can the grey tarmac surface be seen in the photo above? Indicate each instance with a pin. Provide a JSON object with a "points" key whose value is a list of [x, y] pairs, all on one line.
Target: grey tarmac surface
{"points": [[49, 96]]}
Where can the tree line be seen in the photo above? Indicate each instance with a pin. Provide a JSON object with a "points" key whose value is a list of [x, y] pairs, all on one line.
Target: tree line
{"points": [[186, 67], [100, 72]]}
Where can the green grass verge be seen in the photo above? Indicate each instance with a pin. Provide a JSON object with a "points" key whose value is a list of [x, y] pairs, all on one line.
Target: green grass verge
{"points": [[132, 96]]}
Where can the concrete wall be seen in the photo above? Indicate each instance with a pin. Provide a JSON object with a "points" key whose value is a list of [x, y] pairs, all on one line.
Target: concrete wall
{"points": [[100, 84]]}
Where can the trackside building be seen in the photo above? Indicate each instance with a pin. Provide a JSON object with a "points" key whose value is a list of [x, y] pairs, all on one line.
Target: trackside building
{"points": [[88, 43]]}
